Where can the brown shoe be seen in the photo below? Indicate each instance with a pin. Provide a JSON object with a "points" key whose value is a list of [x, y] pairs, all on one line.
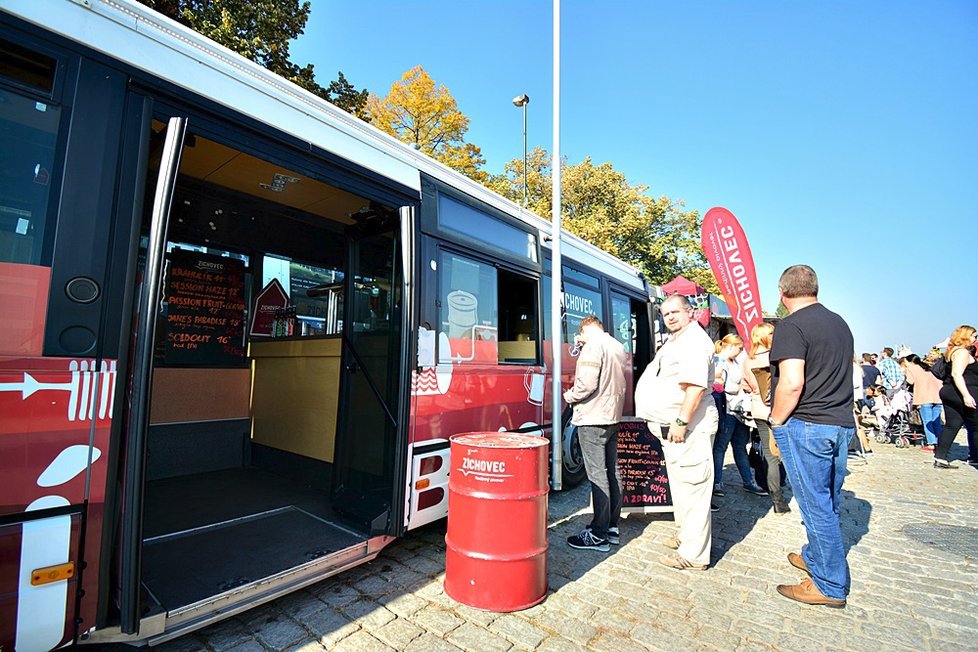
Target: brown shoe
{"points": [[808, 593], [798, 562]]}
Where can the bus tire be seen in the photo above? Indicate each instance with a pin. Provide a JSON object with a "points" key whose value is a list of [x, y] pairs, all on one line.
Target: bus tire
{"points": [[572, 470]]}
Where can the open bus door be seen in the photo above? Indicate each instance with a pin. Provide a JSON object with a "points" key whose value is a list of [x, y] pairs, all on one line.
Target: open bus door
{"points": [[371, 424], [131, 529], [234, 491]]}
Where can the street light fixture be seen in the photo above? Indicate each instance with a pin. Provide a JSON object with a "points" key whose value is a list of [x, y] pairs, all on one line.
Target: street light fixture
{"points": [[522, 101]]}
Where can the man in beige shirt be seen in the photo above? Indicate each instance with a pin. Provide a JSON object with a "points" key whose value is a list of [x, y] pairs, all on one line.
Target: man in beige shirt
{"points": [[598, 397], [669, 396]]}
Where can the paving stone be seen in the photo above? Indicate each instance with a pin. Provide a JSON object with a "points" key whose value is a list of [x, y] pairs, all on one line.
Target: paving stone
{"points": [[335, 593], [367, 613], [374, 586], [556, 644], [247, 646], [477, 639], [567, 627], [280, 633], [190, 643], [905, 636], [751, 645], [477, 616], [309, 645], [437, 620], [361, 641], [941, 645], [397, 633], [403, 605], [330, 626], [519, 631], [430, 643], [610, 642], [651, 636], [753, 632], [720, 638], [224, 635]]}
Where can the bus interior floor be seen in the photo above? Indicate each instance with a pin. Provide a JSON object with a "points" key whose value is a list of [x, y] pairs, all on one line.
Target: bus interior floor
{"points": [[184, 568], [194, 501], [211, 532]]}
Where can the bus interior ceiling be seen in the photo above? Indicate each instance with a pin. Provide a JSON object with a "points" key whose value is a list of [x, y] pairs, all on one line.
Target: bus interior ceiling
{"points": [[240, 451]]}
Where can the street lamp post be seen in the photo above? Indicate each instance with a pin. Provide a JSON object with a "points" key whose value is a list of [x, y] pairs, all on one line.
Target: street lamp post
{"points": [[522, 101]]}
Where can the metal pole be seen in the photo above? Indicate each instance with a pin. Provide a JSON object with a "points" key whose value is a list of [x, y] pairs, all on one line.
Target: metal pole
{"points": [[556, 287], [524, 152]]}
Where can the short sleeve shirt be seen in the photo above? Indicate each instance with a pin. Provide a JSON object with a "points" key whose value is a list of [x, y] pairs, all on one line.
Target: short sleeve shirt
{"points": [[687, 358], [823, 340]]}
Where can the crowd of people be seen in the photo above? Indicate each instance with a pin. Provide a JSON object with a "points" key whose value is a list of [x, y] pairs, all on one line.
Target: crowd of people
{"points": [[798, 385], [941, 387]]}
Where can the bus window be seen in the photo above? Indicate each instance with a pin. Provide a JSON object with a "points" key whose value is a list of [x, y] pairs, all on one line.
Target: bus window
{"points": [[622, 326], [28, 171], [27, 67], [517, 319], [579, 302], [28, 138], [486, 230], [316, 292], [468, 311]]}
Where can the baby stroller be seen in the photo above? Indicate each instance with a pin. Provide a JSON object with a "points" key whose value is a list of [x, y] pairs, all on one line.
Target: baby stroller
{"points": [[897, 419]]}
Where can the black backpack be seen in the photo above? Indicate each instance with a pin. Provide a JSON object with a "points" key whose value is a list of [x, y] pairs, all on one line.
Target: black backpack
{"points": [[941, 369]]}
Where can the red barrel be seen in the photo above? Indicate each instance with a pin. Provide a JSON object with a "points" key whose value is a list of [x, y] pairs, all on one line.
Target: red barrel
{"points": [[496, 545]]}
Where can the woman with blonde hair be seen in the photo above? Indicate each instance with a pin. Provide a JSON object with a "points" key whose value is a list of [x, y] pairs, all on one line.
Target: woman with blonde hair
{"points": [[958, 396], [757, 376], [732, 430]]}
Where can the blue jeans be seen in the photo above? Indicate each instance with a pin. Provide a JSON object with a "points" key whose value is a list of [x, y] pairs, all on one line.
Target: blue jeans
{"points": [[930, 414], [599, 447], [814, 457], [732, 431]]}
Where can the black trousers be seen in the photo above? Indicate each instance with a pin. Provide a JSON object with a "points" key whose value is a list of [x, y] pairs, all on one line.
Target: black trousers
{"points": [[956, 415]]}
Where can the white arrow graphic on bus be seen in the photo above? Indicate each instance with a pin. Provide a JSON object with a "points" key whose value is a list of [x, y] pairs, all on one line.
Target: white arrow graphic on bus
{"points": [[82, 388]]}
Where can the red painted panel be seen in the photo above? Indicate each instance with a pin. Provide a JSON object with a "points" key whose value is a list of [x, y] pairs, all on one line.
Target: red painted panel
{"points": [[23, 308]]}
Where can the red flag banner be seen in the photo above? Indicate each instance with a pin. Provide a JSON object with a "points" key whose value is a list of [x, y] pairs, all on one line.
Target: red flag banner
{"points": [[725, 246]]}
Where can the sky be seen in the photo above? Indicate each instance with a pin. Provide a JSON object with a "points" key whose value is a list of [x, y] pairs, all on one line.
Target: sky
{"points": [[843, 135]]}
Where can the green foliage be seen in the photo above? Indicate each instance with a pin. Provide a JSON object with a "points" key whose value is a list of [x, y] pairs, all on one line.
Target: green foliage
{"points": [[344, 95], [656, 234], [418, 112], [781, 312], [261, 30]]}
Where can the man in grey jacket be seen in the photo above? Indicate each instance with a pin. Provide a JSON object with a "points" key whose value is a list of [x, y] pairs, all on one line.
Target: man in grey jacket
{"points": [[598, 397]]}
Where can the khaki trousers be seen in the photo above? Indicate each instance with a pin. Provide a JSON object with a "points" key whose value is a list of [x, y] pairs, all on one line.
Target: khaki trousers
{"points": [[690, 468]]}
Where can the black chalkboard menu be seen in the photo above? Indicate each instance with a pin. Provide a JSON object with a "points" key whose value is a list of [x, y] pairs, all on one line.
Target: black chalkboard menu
{"points": [[644, 483], [203, 322]]}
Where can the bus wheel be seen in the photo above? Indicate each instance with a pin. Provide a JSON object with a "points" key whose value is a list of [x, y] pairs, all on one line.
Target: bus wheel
{"points": [[573, 460]]}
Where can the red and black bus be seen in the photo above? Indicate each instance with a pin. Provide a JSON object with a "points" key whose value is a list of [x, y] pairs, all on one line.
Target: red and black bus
{"points": [[237, 328]]}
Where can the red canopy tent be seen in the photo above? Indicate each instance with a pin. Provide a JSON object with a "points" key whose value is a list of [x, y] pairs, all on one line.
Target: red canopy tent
{"points": [[682, 285], [698, 296]]}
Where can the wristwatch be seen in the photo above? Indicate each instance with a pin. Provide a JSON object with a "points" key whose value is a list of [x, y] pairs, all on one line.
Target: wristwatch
{"points": [[680, 422], [775, 424]]}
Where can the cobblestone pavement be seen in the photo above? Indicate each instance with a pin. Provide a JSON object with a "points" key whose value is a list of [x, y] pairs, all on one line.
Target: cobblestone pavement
{"points": [[911, 530]]}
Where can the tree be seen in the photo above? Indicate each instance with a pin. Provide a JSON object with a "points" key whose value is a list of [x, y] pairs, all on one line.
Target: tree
{"points": [[657, 235], [427, 116], [344, 95], [781, 312], [260, 30], [539, 181]]}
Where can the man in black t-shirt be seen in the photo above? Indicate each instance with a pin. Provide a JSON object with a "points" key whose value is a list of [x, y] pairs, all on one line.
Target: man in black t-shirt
{"points": [[812, 422]]}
